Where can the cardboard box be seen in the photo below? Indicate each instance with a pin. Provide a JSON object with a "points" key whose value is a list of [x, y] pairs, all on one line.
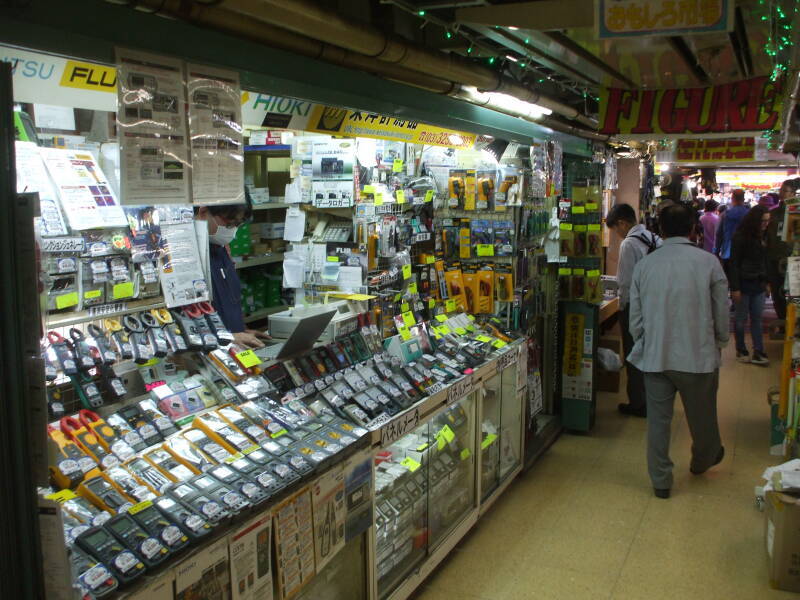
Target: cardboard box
{"points": [[782, 536]]}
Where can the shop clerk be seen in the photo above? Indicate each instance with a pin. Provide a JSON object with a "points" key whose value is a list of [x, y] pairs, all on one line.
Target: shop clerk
{"points": [[223, 221]]}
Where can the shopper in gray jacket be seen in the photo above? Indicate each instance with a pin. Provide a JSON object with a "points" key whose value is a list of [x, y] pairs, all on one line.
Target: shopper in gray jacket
{"points": [[679, 321]]}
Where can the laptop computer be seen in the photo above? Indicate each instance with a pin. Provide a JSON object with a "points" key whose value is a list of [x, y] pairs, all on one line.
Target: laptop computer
{"points": [[303, 338]]}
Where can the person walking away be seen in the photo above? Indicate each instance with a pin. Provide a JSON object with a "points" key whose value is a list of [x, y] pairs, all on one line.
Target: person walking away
{"points": [[778, 250], [747, 271], [728, 225], [679, 322], [637, 243], [708, 225]]}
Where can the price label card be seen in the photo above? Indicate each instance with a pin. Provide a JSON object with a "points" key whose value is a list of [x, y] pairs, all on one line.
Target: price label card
{"points": [[369, 189], [565, 271], [122, 290], [429, 260], [488, 441], [248, 358], [431, 303], [378, 199], [397, 165], [483, 338], [429, 196], [499, 344], [410, 464], [485, 249], [408, 319], [404, 307], [441, 318], [66, 300], [593, 273], [406, 271], [404, 332], [578, 210], [594, 227], [412, 288], [333, 259], [461, 331], [565, 226], [92, 294], [443, 329], [400, 196], [465, 454], [591, 206], [450, 305]]}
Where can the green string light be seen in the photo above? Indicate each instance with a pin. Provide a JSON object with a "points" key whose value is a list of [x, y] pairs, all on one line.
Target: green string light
{"points": [[491, 60], [421, 13]]}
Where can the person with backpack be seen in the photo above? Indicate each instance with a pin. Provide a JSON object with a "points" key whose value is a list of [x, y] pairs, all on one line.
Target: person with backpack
{"points": [[637, 242], [727, 227]]}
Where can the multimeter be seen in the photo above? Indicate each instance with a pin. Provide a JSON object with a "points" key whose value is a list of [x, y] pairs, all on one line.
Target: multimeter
{"points": [[231, 499], [258, 473], [189, 521], [125, 528], [206, 445], [209, 508], [99, 543], [159, 526], [148, 474], [188, 454], [131, 486], [103, 494], [167, 464], [234, 479], [92, 576]]}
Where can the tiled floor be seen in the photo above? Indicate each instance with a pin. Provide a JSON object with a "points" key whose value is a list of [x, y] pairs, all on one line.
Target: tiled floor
{"points": [[583, 522]]}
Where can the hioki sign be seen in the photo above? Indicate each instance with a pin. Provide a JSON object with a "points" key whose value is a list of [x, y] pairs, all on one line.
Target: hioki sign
{"points": [[749, 105]]}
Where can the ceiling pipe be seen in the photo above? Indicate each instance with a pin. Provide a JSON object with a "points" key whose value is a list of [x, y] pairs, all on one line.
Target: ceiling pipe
{"points": [[214, 17], [308, 18], [562, 40]]}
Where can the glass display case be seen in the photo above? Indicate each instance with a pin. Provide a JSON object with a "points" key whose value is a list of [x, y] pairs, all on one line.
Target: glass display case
{"points": [[345, 577], [501, 422], [424, 486]]}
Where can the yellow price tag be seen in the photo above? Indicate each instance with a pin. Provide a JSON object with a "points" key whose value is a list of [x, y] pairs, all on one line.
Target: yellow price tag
{"points": [[450, 305], [248, 358], [485, 249], [429, 260], [404, 307], [397, 165], [565, 226], [499, 344], [408, 319], [593, 273], [412, 288], [410, 464], [369, 189], [591, 206], [461, 331], [404, 332], [447, 433], [441, 318], [432, 303], [565, 271], [378, 199], [406, 271], [400, 196], [429, 196], [594, 227], [578, 210], [66, 300], [92, 293], [471, 317], [122, 290], [137, 508], [483, 338], [443, 329], [488, 441], [465, 454], [422, 447], [333, 259], [470, 328]]}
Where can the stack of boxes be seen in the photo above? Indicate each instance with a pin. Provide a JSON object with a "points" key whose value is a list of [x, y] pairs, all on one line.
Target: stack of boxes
{"points": [[242, 244], [261, 288]]}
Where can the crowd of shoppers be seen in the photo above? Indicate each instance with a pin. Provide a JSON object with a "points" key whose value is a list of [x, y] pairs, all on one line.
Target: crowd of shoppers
{"points": [[674, 311]]}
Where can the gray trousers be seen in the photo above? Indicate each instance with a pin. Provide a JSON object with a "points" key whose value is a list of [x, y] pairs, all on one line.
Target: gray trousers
{"points": [[699, 395]]}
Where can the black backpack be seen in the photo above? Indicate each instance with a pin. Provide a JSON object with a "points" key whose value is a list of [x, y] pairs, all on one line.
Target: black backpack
{"points": [[651, 244]]}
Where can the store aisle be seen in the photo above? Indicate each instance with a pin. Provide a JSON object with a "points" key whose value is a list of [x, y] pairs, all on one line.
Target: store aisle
{"points": [[584, 524]]}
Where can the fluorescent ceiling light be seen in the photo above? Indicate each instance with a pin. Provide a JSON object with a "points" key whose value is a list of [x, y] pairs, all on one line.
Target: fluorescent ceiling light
{"points": [[509, 57], [510, 103], [512, 28]]}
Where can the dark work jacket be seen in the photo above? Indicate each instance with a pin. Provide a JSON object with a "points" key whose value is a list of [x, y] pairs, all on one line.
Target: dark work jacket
{"points": [[747, 270], [227, 288]]}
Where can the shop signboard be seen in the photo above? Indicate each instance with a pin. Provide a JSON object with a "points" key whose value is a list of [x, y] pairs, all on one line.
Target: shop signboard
{"points": [[634, 18], [354, 123], [721, 151], [573, 344], [275, 112], [45, 79], [741, 106]]}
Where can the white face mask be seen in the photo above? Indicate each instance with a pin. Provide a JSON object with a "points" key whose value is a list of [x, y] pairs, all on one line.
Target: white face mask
{"points": [[223, 236]]}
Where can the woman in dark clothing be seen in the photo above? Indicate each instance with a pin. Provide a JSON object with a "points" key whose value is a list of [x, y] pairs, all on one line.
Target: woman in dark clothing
{"points": [[748, 280]]}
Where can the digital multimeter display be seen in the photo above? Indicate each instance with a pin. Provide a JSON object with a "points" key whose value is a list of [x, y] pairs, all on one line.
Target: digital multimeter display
{"points": [[204, 482]]}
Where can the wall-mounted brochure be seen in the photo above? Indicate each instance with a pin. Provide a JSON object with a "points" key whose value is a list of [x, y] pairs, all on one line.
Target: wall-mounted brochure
{"points": [[182, 278], [84, 192], [215, 132], [32, 177], [251, 559], [151, 115]]}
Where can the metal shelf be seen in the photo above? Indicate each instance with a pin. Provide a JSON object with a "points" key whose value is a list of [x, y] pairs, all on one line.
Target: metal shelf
{"points": [[264, 312], [82, 316], [259, 260], [270, 205], [268, 148]]}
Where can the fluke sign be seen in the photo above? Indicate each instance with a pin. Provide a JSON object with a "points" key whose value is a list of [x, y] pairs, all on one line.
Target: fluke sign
{"points": [[749, 105]]}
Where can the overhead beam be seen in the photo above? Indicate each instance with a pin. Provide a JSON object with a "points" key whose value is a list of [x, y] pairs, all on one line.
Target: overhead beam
{"points": [[685, 53], [544, 15], [572, 46]]}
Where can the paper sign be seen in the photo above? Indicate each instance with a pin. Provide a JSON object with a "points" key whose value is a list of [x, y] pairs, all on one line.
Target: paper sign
{"points": [[122, 290], [248, 358], [66, 300]]}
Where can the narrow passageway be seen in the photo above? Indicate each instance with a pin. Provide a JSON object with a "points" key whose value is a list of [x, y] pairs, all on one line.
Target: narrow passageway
{"points": [[583, 522]]}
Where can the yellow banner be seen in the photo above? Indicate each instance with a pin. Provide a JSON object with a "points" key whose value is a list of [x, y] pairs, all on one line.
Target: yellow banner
{"points": [[351, 123], [89, 76], [573, 344]]}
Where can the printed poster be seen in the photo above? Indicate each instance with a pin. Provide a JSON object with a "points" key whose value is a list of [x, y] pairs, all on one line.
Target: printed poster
{"points": [[251, 560], [215, 131], [85, 194], [327, 496], [205, 575], [151, 114], [182, 278], [32, 176]]}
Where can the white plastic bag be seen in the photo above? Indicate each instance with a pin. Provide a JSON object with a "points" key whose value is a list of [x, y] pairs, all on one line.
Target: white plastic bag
{"points": [[609, 360]]}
